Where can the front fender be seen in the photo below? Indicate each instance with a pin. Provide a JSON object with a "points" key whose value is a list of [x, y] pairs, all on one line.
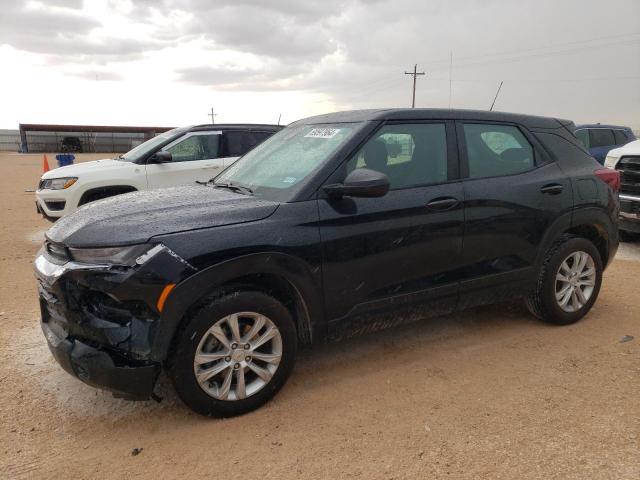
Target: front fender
{"points": [[305, 279]]}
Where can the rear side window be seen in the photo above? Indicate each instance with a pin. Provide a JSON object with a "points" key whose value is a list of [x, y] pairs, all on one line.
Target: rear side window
{"points": [[494, 150], [620, 137], [601, 137], [409, 154], [583, 136], [239, 143]]}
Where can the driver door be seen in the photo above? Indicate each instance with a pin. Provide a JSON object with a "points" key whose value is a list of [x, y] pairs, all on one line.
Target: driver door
{"points": [[195, 157]]}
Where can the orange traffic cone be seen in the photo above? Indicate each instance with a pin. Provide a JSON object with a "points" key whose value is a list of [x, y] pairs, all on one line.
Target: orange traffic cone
{"points": [[45, 164]]}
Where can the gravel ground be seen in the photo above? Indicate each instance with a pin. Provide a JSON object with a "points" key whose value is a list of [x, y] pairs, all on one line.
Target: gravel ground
{"points": [[488, 393]]}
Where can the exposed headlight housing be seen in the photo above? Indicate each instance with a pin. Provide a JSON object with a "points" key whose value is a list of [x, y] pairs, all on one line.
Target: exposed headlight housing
{"points": [[57, 183], [124, 256]]}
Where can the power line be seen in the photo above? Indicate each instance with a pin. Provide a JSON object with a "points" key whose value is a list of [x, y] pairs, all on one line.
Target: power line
{"points": [[414, 74]]}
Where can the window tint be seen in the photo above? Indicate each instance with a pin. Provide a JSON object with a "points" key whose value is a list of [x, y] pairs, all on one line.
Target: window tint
{"points": [[601, 137], [409, 154], [239, 143], [195, 147], [494, 150], [620, 137], [583, 136]]}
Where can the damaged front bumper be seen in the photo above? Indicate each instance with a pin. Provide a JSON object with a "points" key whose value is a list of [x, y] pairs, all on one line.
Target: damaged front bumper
{"points": [[100, 320]]}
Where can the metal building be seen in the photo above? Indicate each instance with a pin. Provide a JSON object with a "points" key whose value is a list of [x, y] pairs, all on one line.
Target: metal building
{"points": [[36, 138]]}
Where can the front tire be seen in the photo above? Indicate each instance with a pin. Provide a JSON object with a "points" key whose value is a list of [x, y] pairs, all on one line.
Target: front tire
{"points": [[568, 283], [234, 354]]}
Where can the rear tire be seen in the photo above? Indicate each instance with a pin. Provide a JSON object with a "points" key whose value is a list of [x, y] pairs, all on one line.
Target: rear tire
{"points": [[220, 368], [568, 282]]}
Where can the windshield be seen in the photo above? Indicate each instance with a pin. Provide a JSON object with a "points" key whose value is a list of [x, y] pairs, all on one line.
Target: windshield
{"points": [[278, 165], [149, 146]]}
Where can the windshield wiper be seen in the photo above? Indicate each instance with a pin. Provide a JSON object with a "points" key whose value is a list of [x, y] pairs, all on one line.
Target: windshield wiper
{"points": [[234, 188]]}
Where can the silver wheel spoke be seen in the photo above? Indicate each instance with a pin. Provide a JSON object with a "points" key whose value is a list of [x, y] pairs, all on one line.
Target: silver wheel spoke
{"points": [[219, 335], [561, 278], [566, 297], [267, 357], [581, 297], [263, 373], [241, 388], [587, 273], [575, 303], [585, 283], [232, 321], [265, 337], [202, 358], [226, 385], [207, 373], [560, 295], [257, 326]]}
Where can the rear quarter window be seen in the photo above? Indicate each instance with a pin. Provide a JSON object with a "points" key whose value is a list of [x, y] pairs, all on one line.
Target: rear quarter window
{"points": [[601, 137]]}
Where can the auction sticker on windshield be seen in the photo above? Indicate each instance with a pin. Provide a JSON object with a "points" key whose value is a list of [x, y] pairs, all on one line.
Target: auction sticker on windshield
{"points": [[322, 133]]}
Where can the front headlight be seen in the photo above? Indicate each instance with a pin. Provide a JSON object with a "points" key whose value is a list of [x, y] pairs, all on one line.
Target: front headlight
{"points": [[57, 183], [610, 161], [125, 256]]}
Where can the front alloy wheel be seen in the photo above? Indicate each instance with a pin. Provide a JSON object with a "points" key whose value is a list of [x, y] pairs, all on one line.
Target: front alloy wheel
{"points": [[233, 354], [238, 356]]}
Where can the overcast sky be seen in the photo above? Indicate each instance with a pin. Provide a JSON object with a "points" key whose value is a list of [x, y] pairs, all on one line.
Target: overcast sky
{"points": [[167, 62]]}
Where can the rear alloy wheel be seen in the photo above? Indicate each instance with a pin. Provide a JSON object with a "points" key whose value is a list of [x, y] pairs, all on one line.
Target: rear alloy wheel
{"points": [[234, 354], [568, 283]]}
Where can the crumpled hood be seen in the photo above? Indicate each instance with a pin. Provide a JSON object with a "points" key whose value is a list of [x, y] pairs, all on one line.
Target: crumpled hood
{"points": [[138, 216], [78, 169]]}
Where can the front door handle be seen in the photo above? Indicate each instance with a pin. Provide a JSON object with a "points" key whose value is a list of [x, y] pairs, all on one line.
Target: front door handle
{"points": [[552, 189], [442, 203]]}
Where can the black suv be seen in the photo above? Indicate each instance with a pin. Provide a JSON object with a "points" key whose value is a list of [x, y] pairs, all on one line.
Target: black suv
{"points": [[339, 224]]}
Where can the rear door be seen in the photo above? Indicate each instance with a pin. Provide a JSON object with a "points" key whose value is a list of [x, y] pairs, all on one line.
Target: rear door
{"points": [[512, 194], [195, 157], [389, 255]]}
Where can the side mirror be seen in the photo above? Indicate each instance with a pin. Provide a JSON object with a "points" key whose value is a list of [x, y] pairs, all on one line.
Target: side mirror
{"points": [[362, 182], [161, 157]]}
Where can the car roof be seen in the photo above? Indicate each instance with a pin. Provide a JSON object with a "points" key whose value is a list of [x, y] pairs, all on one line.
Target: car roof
{"points": [[601, 125], [434, 114], [234, 126]]}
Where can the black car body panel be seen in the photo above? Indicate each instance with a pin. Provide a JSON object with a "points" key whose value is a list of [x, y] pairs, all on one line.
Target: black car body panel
{"points": [[150, 213], [340, 265]]}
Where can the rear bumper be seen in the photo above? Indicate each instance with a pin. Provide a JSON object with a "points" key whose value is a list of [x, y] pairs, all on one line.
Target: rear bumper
{"points": [[629, 219], [100, 368]]}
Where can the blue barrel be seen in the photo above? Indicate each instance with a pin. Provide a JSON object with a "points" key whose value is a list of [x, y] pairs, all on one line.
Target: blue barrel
{"points": [[65, 159]]}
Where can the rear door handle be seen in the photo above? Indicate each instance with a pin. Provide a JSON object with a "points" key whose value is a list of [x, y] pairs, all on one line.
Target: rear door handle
{"points": [[442, 203], [552, 189]]}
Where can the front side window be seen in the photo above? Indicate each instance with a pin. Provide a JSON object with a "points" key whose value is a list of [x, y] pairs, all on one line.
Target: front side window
{"points": [[146, 148], [601, 137], [409, 154], [195, 147], [276, 166], [494, 150]]}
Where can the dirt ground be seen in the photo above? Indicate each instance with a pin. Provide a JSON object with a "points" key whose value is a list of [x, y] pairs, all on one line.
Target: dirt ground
{"points": [[489, 393]]}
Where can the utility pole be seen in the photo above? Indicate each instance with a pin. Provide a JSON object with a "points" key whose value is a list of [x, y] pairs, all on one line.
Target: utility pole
{"points": [[415, 74], [213, 116], [496, 97], [279, 117]]}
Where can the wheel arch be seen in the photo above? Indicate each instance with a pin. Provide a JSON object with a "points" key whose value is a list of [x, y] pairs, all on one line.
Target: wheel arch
{"points": [[287, 278], [107, 190]]}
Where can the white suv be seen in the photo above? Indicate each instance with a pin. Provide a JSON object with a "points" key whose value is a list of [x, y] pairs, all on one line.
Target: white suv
{"points": [[626, 160], [181, 156]]}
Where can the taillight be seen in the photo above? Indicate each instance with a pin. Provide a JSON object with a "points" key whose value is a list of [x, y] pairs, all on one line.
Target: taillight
{"points": [[610, 177]]}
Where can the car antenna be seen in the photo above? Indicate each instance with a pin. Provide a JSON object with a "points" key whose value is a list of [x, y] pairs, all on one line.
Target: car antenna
{"points": [[496, 97]]}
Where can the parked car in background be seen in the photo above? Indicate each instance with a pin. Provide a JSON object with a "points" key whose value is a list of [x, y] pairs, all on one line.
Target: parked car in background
{"points": [[71, 145], [338, 225], [599, 139], [626, 160], [180, 156]]}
